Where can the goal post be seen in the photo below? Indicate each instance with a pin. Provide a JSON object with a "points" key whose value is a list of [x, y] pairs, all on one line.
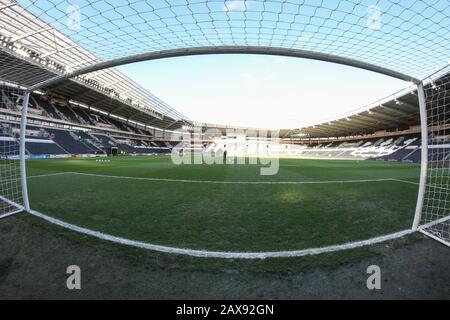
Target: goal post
{"points": [[433, 214], [424, 155], [22, 150], [11, 187]]}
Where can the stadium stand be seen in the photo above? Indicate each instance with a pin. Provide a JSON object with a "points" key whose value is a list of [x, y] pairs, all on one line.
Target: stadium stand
{"points": [[125, 146], [89, 141], [83, 116], [51, 141], [8, 101], [69, 143], [47, 107], [398, 148], [41, 145], [67, 112], [104, 140], [104, 132], [8, 145]]}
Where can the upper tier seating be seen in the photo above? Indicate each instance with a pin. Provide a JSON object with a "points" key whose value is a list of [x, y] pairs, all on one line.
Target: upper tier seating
{"points": [[48, 107], [84, 115], [8, 101], [69, 143], [104, 140], [120, 126], [68, 113]]}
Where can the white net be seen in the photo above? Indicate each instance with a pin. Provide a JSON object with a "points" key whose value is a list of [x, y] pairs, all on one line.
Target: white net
{"points": [[436, 210], [42, 40], [10, 187], [409, 36]]}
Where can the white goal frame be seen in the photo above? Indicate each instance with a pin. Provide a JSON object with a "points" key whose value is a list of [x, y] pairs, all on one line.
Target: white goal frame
{"points": [[241, 50], [287, 38], [424, 153]]}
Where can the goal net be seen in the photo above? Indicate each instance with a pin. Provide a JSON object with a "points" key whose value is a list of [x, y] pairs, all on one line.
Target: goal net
{"points": [[10, 186], [435, 220]]}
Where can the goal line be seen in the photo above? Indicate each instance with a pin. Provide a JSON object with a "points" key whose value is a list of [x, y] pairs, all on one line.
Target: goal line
{"points": [[14, 207]]}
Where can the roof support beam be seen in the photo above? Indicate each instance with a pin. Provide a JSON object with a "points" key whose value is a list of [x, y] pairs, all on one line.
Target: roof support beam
{"points": [[171, 124], [153, 121], [408, 105], [368, 120], [364, 123], [9, 5], [394, 110], [80, 94], [134, 114], [60, 86], [348, 125], [335, 128], [113, 111], [75, 95], [59, 50], [29, 34], [380, 116]]}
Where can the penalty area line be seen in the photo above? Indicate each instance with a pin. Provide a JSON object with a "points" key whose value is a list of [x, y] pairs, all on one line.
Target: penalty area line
{"points": [[47, 175], [226, 182], [36, 176]]}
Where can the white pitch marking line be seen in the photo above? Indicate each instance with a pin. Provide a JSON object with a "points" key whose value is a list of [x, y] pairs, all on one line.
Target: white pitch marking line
{"points": [[46, 175], [230, 182], [405, 181], [222, 254], [36, 176]]}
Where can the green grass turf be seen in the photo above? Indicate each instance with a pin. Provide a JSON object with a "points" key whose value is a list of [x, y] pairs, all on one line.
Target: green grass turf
{"points": [[228, 217]]}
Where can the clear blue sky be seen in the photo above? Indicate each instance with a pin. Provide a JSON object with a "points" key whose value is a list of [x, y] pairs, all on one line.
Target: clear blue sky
{"points": [[260, 91]]}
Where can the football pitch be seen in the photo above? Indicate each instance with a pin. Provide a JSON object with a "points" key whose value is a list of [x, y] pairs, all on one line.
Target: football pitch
{"points": [[232, 208]]}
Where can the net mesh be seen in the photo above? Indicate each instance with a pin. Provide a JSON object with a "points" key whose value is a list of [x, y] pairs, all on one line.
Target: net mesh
{"points": [[10, 187], [408, 36], [436, 209], [43, 39]]}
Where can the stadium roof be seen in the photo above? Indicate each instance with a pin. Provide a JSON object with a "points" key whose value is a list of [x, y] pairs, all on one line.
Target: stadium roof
{"points": [[396, 112], [399, 113], [83, 40], [33, 51]]}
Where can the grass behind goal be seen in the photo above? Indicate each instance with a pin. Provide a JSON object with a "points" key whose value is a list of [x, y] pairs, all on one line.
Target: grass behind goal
{"points": [[310, 203]]}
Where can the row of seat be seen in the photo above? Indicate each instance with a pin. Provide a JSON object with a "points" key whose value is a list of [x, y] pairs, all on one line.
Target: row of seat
{"points": [[57, 141]]}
